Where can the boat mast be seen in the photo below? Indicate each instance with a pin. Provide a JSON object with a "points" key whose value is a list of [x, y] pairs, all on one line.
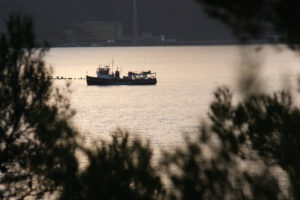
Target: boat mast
{"points": [[112, 65]]}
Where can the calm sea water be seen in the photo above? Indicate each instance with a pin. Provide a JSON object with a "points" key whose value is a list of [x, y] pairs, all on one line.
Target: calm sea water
{"points": [[187, 76]]}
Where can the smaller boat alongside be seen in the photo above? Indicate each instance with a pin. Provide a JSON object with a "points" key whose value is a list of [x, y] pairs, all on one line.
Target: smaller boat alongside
{"points": [[106, 76]]}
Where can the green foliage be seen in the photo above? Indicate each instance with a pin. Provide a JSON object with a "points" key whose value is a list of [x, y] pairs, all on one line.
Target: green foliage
{"points": [[38, 142], [273, 130], [120, 169], [35, 133], [261, 128]]}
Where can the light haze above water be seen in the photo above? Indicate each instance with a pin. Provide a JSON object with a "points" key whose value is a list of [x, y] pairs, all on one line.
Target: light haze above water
{"points": [[187, 77]]}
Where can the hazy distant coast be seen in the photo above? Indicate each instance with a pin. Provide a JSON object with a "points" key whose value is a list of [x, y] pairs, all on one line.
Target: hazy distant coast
{"points": [[177, 43], [65, 22]]}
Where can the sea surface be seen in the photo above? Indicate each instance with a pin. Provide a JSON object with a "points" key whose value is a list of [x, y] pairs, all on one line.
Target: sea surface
{"points": [[187, 77]]}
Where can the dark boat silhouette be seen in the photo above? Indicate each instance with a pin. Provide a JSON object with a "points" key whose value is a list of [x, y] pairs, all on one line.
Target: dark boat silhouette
{"points": [[106, 76]]}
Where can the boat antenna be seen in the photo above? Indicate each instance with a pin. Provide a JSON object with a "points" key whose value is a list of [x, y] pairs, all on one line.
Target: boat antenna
{"points": [[112, 65]]}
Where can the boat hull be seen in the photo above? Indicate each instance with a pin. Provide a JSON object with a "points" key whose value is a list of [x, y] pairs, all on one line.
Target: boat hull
{"points": [[100, 81]]}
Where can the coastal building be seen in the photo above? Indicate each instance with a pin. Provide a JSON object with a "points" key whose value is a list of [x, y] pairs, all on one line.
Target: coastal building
{"points": [[102, 30]]}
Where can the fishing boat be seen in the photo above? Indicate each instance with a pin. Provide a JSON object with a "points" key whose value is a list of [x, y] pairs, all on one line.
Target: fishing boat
{"points": [[106, 76]]}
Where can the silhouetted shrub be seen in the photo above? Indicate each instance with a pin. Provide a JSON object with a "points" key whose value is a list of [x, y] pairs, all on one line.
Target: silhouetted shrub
{"points": [[38, 142], [36, 138], [273, 21], [261, 128], [120, 169]]}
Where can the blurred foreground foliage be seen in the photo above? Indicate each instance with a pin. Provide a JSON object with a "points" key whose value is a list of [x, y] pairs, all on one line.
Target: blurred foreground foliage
{"points": [[261, 131], [35, 133], [272, 20], [120, 169], [38, 142]]}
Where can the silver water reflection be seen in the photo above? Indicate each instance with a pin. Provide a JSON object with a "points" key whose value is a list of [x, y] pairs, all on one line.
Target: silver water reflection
{"points": [[187, 76]]}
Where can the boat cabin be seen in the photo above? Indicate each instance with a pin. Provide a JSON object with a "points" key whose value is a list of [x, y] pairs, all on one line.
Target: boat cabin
{"points": [[141, 75], [106, 73], [103, 72]]}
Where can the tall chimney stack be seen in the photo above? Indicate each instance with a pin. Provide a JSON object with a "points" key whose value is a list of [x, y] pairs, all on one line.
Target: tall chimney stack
{"points": [[135, 23]]}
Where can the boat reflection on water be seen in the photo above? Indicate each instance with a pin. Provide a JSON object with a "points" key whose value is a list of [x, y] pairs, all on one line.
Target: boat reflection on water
{"points": [[106, 76]]}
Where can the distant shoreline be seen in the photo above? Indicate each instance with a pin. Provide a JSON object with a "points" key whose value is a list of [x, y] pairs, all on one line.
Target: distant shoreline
{"points": [[178, 43]]}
